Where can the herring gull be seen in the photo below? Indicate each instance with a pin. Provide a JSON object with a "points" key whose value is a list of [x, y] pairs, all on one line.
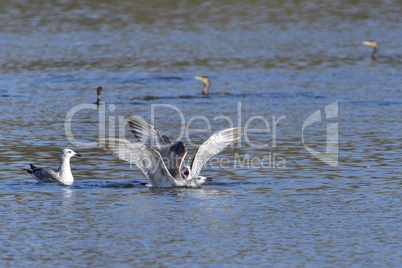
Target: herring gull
{"points": [[161, 160], [62, 174]]}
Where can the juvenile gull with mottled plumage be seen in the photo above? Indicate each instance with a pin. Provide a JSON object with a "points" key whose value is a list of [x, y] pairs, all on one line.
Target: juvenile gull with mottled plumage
{"points": [[62, 174], [160, 160]]}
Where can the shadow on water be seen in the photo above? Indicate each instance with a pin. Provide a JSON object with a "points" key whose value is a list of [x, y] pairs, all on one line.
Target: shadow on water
{"points": [[95, 184], [240, 96]]}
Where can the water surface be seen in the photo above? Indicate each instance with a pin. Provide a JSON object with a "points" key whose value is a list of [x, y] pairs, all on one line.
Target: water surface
{"points": [[277, 59]]}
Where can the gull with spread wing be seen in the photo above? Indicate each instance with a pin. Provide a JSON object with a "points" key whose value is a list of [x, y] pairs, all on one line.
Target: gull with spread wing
{"points": [[161, 160]]}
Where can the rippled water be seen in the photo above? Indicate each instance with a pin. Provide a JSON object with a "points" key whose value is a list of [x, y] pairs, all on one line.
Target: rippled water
{"points": [[280, 59]]}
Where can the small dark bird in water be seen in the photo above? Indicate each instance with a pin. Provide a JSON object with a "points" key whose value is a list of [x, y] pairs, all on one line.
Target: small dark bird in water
{"points": [[207, 85], [374, 45], [99, 91]]}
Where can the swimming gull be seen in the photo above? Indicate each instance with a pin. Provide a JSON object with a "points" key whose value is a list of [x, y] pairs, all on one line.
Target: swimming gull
{"points": [[62, 174], [160, 160]]}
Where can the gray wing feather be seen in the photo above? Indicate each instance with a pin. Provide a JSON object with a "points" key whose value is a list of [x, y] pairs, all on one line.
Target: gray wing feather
{"points": [[214, 145], [146, 158], [45, 175], [150, 136]]}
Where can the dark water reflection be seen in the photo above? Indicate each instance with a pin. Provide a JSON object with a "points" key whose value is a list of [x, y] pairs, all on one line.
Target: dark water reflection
{"points": [[281, 58]]}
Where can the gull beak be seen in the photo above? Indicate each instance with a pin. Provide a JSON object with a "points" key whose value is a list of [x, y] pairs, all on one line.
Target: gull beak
{"points": [[209, 179], [77, 154]]}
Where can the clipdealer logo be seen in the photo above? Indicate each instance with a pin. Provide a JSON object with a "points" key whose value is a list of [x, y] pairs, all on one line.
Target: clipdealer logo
{"points": [[331, 152], [111, 124]]}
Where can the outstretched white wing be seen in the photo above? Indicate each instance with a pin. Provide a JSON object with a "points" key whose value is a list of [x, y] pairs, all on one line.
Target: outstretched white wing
{"points": [[214, 145], [146, 158]]}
